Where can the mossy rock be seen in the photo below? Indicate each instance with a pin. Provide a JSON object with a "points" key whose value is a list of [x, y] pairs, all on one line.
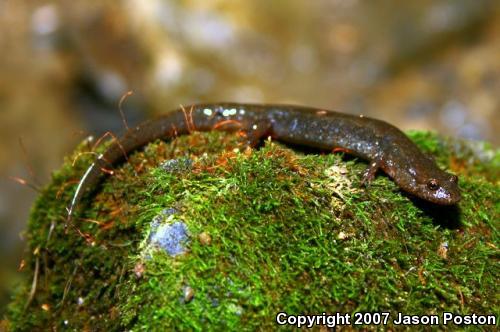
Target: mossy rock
{"points": [[258, 232]]}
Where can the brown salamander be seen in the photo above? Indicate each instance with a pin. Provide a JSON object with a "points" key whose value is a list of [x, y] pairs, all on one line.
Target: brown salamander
{"points": [[383, 145]]}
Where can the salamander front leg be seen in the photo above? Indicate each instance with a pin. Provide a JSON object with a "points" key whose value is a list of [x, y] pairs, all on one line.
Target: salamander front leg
{"points": [[254, 134], [369, 173]]}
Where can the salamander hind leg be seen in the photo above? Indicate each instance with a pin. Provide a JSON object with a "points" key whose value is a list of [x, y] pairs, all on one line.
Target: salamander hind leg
{"points": [[369, 173]]}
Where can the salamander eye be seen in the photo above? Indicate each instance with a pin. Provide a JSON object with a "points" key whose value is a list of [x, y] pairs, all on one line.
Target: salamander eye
{"points": [[433, 184], [454, 178]]}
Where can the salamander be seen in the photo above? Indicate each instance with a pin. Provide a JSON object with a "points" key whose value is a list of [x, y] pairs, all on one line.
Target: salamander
{"points": [[383, 145]]}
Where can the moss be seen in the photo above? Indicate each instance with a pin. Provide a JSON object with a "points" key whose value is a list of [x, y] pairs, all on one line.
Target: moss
{"points": [[269, 230]]}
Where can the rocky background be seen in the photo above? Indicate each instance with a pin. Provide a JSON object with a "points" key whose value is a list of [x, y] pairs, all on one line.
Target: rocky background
{"points": [[64, 65]]}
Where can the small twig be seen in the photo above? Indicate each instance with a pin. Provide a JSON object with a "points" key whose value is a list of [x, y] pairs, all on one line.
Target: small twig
{"points": [[68, 285], [25, 183], [122, 114], [81, 154], [188, 116], [63, 187], [113, 136], [226, 122], [49, 234], [34, 283], [29, 166]]}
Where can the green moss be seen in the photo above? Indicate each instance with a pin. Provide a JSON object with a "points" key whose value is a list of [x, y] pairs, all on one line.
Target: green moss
{"points": [[288, 232]]}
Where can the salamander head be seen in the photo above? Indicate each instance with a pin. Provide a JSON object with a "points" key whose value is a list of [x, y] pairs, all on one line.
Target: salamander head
{"points": [[419, 175], [442, 189], [430, 183]]}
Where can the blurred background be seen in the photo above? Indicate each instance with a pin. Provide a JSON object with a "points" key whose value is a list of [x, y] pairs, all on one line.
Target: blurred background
{"points": [[64, 66]]}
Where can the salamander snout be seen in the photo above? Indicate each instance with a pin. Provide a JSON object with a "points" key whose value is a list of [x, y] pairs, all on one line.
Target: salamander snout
{"points": [[442, 189]]}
